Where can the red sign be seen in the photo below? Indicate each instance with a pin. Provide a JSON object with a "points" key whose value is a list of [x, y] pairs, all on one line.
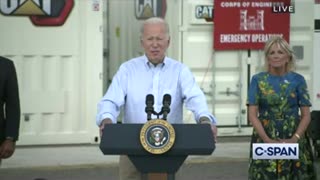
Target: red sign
{"points": [[249, 24], [54, 21]]}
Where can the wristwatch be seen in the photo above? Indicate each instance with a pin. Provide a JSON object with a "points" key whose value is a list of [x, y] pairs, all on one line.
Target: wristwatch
{"points": [[203, 120]]}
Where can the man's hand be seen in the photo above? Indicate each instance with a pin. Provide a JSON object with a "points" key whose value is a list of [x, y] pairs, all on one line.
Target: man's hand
{"points": [[103, 123], [205, 120], [7, 149], [215, 132]]}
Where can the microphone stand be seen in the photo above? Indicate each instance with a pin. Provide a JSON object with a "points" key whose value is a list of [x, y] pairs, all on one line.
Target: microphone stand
{"points": [[165, 110], [149, 113]]}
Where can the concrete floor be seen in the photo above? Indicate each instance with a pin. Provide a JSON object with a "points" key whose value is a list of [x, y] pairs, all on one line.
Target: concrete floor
{"points": [[189, 171], [229, 161]]}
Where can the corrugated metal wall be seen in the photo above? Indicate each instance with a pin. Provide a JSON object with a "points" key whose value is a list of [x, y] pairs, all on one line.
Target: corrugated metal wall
{"points": [[59, 72], [223, 75], [60, 69]]}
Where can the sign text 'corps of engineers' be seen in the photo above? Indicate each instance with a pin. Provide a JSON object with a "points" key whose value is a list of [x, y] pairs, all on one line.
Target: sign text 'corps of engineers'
{"points": [[248, 24]]}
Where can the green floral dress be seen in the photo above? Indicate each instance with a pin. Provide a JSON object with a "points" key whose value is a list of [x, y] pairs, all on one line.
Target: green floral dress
{"points": [[278, 99]]}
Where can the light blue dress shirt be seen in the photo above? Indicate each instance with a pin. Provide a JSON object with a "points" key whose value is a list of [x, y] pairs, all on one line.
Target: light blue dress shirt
{"points": [[138, 77]]}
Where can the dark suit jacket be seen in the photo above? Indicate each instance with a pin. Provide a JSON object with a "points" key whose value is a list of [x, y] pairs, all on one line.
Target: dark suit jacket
{"points": [[9, 100]]}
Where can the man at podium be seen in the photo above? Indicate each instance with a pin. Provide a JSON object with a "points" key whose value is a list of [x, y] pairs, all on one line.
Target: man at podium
{"points": [[166, 81]]}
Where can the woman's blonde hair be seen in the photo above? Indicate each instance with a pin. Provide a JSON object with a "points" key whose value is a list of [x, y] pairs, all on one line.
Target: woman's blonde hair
{"points": [[283, 44]]}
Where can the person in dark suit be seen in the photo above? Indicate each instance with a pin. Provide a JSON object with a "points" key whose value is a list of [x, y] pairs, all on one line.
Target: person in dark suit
{"points": [[10, 105]]}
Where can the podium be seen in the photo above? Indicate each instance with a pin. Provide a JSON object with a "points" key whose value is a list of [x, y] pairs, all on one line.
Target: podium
{"points": [[124, 139]]}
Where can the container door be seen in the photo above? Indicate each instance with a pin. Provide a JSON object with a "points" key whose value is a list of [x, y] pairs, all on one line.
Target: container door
{"points": [[221, 75], [58, 70], [224, 76]]}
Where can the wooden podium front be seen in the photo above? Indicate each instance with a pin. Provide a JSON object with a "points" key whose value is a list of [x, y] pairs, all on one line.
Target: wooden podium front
{"points": [[124, 139]]}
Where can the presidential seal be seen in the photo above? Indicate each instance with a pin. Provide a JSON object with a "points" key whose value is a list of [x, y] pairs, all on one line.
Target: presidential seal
{"points": [[157, 136]]}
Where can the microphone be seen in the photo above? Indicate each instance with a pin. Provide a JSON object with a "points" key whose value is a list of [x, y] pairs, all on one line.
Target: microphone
{"points": [[166, 102], [149, 106]]}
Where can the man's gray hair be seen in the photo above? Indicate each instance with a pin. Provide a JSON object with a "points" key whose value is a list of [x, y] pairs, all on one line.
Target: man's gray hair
{"points": [[155, 20]]}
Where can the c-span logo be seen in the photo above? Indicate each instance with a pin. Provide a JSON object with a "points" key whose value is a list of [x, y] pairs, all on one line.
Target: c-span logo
{"points": [[157, 136], [275, 151]]}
